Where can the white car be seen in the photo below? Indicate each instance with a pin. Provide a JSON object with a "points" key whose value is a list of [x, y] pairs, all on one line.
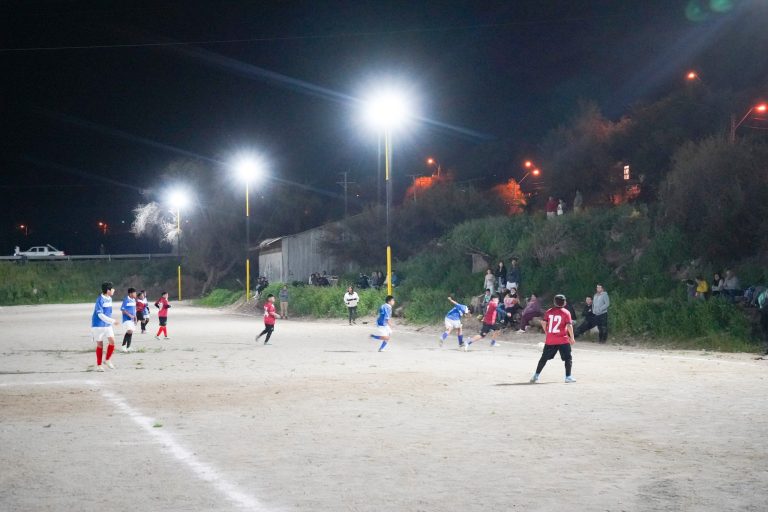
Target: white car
{"points": [[41, 251]]}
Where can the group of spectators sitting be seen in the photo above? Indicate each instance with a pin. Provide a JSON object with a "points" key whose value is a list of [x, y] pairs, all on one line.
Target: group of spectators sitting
{"points": [[376, 280], [318, 279], [725, 286]]}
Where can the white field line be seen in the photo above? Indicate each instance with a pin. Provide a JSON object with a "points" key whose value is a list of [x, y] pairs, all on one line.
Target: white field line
{"points": [[202, 470]]}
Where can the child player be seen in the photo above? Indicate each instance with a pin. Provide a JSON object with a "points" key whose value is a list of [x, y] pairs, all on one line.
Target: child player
{"points": [[269, 319], [101, 325], [384, 322], [453, 321], [128, 308], [142, 310], [489, 323], [558, 325], [162, 315]]}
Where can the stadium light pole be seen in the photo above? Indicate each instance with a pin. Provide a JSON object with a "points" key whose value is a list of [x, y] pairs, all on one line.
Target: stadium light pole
{"points": [[248, 168], [178, 200], [387, 110], [432, 161]]}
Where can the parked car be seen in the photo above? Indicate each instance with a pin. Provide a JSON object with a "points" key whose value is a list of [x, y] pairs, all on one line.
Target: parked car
{"points": [[40, 251]]}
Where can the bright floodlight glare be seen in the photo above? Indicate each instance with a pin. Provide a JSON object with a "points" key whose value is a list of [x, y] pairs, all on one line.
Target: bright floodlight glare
{"points": [[178, 199], [248, 167], [536, 172], [430, 161], [692, 75], [528, 164], [762, 107], [388, 109]]}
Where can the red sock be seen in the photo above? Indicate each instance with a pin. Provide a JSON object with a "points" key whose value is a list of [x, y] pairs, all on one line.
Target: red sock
{"points": [[165, 332], [159, 331], [110, 349], [99, 351]]}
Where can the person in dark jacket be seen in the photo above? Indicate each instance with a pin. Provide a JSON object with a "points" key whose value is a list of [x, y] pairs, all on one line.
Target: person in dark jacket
{"points": [[587, 319], [501, 276]]}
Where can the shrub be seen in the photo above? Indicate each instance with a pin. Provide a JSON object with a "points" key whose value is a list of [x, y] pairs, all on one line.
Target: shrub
{"points": [[325, 301], [220, 297]]}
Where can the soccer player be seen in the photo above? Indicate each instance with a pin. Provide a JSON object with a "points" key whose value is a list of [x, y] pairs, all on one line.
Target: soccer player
{"points": [[162, 315], [101, 325], [269, 318], [453, 321], [128, 308], [142, 310], [384, 322], [558, 325], [489, 323]]}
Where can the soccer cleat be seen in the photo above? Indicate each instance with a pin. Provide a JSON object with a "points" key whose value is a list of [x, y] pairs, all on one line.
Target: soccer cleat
{"points": [[157, 337], [167, 338], [109, 364], [570, 379], [123, 349], [465, 346], [534, 379], [493, 343], [99, 368], [520, 331]]}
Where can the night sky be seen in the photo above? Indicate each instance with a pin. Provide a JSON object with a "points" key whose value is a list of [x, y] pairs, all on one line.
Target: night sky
{"points": [[129, 100]]}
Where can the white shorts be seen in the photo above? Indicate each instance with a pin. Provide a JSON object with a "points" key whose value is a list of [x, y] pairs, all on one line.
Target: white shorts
{"points": [[129, 325], [384, 330], [452, 324], [511, 285], [99, 333]]}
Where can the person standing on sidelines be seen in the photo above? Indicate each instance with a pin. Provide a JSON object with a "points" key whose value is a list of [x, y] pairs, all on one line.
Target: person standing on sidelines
{"points": [[453, 321], [270, 316], [101, 325], [384, 322], [351, 298], [600, 304], [128, 308], [489, 323], [284, 301], [142, 310], [558, 325], [162, 315]]}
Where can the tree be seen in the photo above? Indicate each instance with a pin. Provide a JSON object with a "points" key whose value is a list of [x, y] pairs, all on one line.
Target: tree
{"points": [[212, 231], [716, 193]]}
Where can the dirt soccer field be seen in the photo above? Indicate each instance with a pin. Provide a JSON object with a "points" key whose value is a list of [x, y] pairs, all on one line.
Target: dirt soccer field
{"points": [[320, 421]]}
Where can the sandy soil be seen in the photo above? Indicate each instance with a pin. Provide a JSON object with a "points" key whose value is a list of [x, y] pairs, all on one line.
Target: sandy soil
{"points": [[320, 421]]}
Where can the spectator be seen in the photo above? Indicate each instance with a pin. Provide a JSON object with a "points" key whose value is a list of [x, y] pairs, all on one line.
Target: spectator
{"points": [[363, 282], [600, 304], [531, 311], [351, 298], [490, 280], [16, 250], [283, 301], [551, 207], [702, 287], [501, 276], [261, 284], [486, 300], [731, 286], [578, 201], [762, 303], [587, 319], [717, 284], [690, 290], [511, 307], [514, 275], [560, 207]]}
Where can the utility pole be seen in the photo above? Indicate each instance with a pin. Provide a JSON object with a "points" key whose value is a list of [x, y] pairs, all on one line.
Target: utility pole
{"points": [[345, 185]]}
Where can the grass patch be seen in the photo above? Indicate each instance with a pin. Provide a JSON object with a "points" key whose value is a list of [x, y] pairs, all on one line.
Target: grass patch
{"points": [[220, 297], [157, 424]]}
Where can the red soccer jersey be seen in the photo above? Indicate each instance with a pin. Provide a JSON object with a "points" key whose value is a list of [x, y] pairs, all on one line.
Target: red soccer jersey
{"points": [[490, 313], [269, 313], [557, 319], [162, 303]]}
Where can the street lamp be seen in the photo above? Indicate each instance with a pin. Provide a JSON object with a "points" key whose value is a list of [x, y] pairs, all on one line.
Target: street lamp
{"points": [[178, 199], [534, 172], [248, 167], [24, 229], [762, 108], [692, 76], [432, 161], [388, 110]]}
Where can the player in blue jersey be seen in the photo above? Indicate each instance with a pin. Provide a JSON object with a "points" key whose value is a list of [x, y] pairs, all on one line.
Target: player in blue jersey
{"points": [[128, 308], [384, 322], [453, 321], [101, 325]]}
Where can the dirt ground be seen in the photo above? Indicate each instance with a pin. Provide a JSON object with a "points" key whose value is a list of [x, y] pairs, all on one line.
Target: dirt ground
{"points": [[319, 421]]}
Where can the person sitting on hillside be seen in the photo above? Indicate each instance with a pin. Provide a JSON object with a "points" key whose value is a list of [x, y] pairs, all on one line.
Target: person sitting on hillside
{"points": [[731, 286], [363, 282], [511, 308], [531, 311], [261, 284], [702, 287], [551, 207], [588, 319], [717, 284]]}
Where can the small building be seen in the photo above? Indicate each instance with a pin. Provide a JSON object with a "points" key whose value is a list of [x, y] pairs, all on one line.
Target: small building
{"points": [[295, 257]]}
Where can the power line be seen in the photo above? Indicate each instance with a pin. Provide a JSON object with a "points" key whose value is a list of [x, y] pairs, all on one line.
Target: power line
{"points": [[339, 35]]}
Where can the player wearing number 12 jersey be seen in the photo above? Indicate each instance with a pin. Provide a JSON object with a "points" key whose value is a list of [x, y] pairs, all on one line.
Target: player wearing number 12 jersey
{"points": [[558, 325]]}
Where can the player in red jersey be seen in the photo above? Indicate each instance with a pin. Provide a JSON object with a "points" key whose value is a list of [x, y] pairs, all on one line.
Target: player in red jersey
{"points": [[162, 316], [269, 319], [489, 323], [558, 325]]}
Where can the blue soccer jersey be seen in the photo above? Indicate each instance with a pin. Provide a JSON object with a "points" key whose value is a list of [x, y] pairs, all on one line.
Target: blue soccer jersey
{"points": [[385, 313], [457, 311], [128, 308], [101, 310]]}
